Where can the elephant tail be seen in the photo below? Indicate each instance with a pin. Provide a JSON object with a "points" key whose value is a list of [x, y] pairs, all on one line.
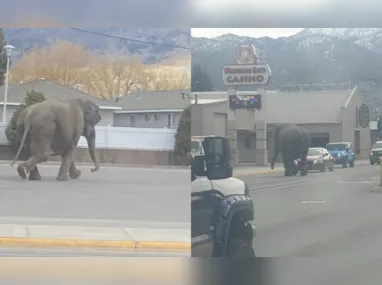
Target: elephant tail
{"points": [[26, 131]]}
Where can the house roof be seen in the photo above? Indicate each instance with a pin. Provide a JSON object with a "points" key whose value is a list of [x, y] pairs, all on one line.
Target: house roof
{"points": [[160, 100], [305, 107], [322, 106], [51, 90]]}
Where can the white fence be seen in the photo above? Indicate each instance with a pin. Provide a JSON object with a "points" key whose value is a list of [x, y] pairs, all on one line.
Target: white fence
{"points": [[124, 138]]}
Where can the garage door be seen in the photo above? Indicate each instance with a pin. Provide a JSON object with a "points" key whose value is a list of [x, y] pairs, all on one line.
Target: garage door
{"points": [[319, 140], [220, 124]]}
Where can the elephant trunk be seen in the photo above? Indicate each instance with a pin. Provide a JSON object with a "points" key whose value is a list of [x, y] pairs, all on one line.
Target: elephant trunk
{"points": [[92, 151]]}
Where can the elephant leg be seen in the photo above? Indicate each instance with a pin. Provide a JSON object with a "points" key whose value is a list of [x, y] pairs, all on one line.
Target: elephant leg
{"points": [[28, 167], [74, 172], [304, 164], [287, 169], [37, 151], [65, 164], [34, 174]]}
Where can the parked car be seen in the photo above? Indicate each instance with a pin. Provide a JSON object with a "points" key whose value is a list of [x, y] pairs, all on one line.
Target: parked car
{"points": [[375, 153], [342, 153], [320, 159], [222, 212]]}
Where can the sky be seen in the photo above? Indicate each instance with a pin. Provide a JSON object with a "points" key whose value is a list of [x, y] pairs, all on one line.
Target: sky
{"points": [[255, 33]]}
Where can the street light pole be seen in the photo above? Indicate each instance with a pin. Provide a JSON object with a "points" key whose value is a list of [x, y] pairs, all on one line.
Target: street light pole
{"points": [[8, 52]]}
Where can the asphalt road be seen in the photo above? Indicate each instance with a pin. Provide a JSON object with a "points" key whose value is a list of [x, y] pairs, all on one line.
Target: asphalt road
{"points": [[331, 214], [138, 194], [82, 252]]}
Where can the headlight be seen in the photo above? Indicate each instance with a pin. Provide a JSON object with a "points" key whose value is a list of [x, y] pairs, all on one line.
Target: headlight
{"points": [[339, 155], [371, 154]]}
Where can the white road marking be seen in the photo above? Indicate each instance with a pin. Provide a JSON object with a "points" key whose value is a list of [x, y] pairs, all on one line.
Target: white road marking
{"points": [[315, 202], [355, 182]]}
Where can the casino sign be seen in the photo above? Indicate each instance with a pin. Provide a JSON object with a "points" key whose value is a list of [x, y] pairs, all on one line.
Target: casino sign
{"points": [[246, 74], [248, 70]]}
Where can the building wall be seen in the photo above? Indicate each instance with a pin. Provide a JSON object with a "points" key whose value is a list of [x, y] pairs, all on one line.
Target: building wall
{"points": [[146, 120], [10, 110], [204, 120], [107, 115], [350, 125], [107, 118]]}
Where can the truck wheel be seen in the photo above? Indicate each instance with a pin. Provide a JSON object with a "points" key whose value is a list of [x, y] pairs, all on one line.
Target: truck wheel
{"points": [[345, 164], [240, 248], [371, 162], [351, 163], [322, 169]]}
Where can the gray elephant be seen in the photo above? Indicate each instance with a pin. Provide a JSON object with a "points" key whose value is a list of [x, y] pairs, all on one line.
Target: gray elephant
{"points": [[293, 143], [54, 127]]}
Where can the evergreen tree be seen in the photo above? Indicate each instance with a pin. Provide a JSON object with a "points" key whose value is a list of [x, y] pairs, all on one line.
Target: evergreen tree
{"points": [[182, 148], [31, 98], [199, 80], [3, 58]]}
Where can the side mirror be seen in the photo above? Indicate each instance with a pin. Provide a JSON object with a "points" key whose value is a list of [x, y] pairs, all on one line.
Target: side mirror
{"points": [[370, 148], [218, 158], [198, 166]]}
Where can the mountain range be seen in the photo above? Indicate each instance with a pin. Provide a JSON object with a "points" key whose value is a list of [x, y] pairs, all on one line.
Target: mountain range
{"points": [[325, 55], [26, 39]]}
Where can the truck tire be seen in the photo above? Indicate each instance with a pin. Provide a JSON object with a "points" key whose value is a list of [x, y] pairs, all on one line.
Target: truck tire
{"points": [[238, 248]]}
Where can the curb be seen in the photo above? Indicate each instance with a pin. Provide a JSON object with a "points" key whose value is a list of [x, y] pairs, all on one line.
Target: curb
{"points": [[149, 245], [109, 165]]}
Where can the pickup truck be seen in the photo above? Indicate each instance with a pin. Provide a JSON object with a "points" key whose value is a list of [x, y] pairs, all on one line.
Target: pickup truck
{"points": [[222, 212]]}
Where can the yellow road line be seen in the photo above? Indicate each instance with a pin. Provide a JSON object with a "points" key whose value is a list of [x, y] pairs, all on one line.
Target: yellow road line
{"points": [[182, 246]]}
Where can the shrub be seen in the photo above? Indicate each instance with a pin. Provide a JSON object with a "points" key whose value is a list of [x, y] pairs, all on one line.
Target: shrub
{"points": [[182, 148], [32, 97]]}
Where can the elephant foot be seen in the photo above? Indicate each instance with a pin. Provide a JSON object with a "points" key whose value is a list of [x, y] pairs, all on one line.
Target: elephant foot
{"points": [[22, 171], [63, 177], [36, 177], [74, 174]]}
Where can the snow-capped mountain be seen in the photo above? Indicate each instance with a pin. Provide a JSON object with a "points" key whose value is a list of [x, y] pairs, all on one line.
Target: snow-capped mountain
{"points": [[28, 38], [312, 55]]}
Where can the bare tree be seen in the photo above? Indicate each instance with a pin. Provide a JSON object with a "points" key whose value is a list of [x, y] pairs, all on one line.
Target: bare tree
{"points": [[63, 62], [111, 78], [163, 77]]}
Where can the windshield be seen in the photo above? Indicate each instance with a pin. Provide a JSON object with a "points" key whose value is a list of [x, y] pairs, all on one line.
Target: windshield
{"points": [[378, 145], [313, 152], [196, 146], [336, 146]]}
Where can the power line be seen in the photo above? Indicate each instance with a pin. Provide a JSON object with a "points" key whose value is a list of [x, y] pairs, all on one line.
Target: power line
{"points": [[127, 39]]}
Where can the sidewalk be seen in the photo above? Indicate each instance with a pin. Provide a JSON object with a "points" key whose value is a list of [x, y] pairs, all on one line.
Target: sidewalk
{"points": [[88, 233]]}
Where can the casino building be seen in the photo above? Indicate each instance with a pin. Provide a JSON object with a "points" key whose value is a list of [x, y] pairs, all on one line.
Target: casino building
{"points": [[328, 115]]}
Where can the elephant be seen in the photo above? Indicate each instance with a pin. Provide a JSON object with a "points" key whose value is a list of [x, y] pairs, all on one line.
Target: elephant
{"points": [[54, 127], [293, 143]]}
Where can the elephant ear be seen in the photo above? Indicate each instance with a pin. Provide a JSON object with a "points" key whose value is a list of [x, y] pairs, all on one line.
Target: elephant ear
{"points": [[91, 113]]}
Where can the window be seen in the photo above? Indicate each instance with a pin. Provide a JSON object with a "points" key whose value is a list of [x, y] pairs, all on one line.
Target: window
{"points": [[170, 120], [157, 117], [147, 117], [132, 120]]}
